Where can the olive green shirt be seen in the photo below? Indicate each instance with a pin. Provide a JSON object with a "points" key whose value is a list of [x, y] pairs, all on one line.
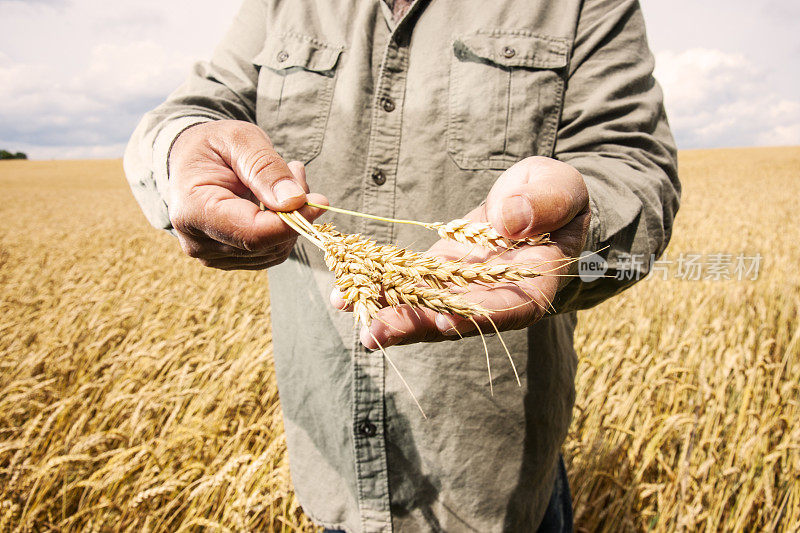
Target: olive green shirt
{"points": [[416, 119]]}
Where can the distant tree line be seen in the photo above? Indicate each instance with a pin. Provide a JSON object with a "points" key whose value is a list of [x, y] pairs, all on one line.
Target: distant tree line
{"points": [[4, 154]]}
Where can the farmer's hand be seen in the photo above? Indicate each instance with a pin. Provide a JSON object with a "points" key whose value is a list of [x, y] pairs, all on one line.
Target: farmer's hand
{"points": [[537, 195], [219, 171]]}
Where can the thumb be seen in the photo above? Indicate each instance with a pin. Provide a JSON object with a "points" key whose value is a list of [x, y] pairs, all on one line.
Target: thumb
{"points": [[298, 170], [537, 195], [263, 171]]}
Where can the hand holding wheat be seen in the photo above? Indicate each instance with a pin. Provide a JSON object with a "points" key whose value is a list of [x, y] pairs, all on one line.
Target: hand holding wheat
{"points": [[535, 196], [219, 171], [428, 295]]}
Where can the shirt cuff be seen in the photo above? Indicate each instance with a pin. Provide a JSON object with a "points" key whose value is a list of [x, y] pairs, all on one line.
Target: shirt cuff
{"points": [[593, 238], [162, 146]]}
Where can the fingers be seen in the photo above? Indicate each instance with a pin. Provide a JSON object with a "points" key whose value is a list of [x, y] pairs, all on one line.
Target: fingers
{"points": [[536, 195], [214, 254], [511, 306], [400, 325], [219, 171], [312, 213], [259, 263], [235, 223], [224, 217], [338, 302], [205, 248]]}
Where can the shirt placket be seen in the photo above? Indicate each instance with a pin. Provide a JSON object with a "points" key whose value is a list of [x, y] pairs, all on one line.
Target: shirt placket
{"points": [[380, 178], [379, 197]]}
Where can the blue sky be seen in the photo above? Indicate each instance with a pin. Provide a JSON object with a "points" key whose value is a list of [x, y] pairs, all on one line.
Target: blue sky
{"points": [[75, 75]]}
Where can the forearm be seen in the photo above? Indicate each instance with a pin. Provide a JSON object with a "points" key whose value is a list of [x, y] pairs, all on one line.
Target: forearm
{"points": [[614, 131], [221, 89]]}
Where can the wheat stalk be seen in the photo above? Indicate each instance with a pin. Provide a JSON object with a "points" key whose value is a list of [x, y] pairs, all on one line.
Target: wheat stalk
{"points": [[364, 256], [460, 230], [482, 234], [115, 328], [155, 492], [365, 272]]}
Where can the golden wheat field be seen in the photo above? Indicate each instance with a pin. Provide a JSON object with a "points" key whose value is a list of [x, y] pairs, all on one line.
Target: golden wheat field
{"points": [[137, 392]]}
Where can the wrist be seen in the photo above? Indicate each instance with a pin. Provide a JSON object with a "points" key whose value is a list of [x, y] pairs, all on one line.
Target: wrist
{"points": [[178, 140]]}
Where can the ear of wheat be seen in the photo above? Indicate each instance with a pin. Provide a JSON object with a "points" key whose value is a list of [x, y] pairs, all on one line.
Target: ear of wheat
{"points": [[481, 234], [367, 273], [460, 230]]}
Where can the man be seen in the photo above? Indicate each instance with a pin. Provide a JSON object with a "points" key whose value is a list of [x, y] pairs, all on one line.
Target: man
{"points": [[534, 115]]}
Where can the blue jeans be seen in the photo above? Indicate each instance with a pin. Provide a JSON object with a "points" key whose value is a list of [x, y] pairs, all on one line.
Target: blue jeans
{"points": [[558, 515]]}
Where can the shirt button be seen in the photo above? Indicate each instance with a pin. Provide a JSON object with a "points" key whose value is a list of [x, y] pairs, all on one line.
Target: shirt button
{"points": [[378, 177], [509, 52], [388, 105], [283, 56], [367, 429]]}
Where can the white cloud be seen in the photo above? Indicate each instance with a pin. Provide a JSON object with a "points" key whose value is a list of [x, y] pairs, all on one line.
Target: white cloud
{"points": [[76, 75], [97, 107], [716, 99], [119, 73], [115, 73]]}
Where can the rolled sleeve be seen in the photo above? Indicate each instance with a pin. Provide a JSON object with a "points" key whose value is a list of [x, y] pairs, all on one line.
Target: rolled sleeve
{"points": [[149, 179], [614, 131], [221, 89]]}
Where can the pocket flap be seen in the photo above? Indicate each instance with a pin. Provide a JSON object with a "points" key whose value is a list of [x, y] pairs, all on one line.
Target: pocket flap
{"points": [[294, 50], [509, 48]]}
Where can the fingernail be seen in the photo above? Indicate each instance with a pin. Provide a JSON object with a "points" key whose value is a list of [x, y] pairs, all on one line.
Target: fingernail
{"points": [[366, 338], [517, 215], [370, 339], [286, 190], [446, 326], [336, 299]]}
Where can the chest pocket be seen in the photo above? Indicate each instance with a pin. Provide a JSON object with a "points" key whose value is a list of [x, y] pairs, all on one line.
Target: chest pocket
{"points": [[295, 88], [506, 91]]}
